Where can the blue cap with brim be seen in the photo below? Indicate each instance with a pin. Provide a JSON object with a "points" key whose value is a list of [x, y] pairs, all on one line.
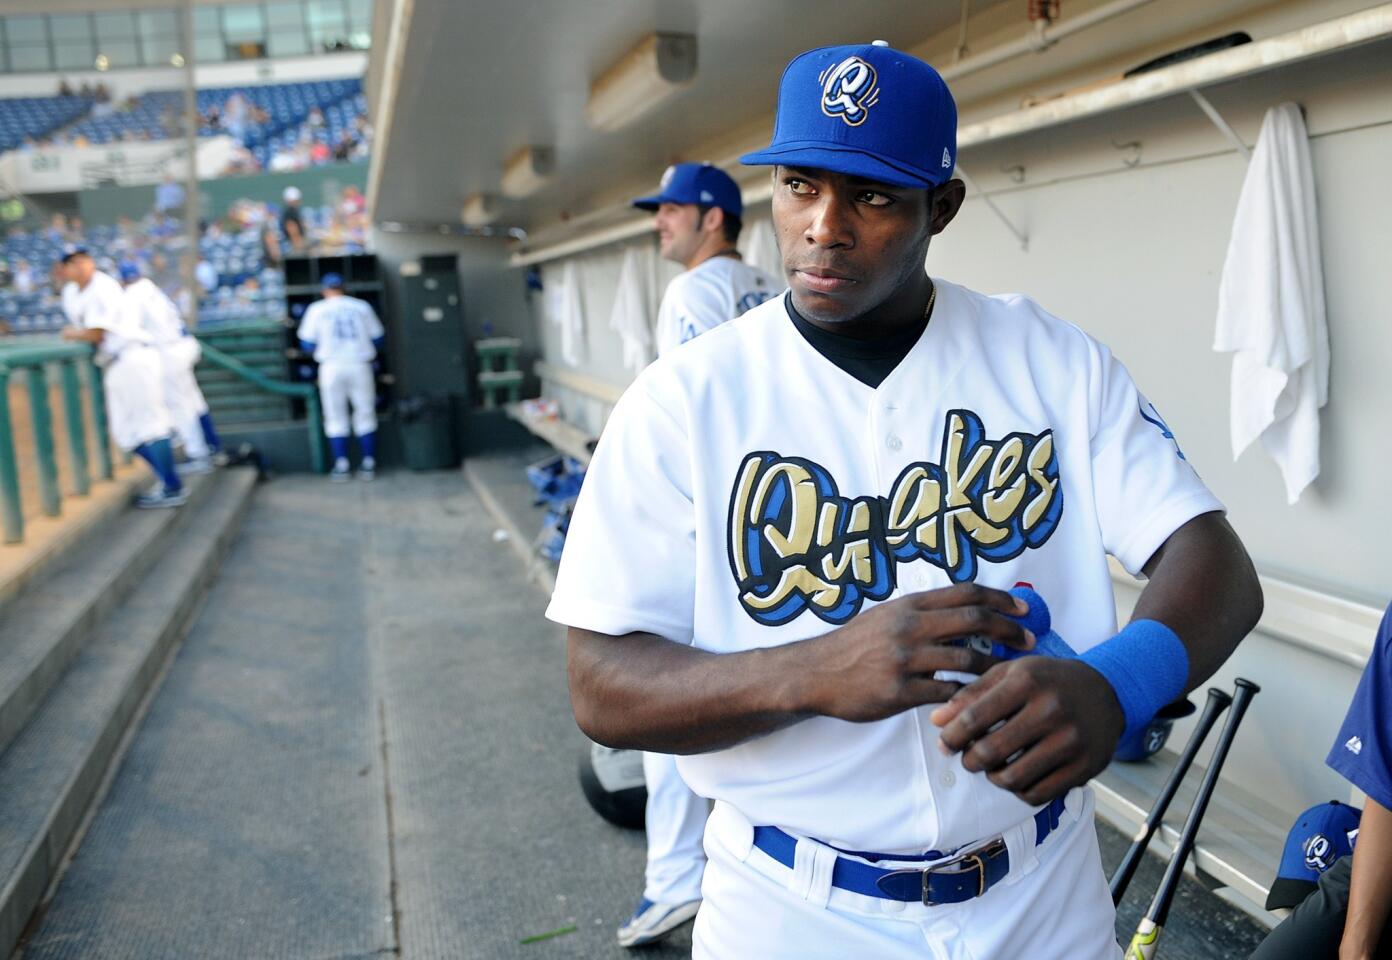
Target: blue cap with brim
{"points": [[865, 111], [698, 183], [1320, 836], [331, 281], [73, 250], [129, 272]]}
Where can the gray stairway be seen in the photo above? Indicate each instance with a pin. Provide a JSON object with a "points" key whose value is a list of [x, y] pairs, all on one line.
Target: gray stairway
{"points": [[80, 647]]}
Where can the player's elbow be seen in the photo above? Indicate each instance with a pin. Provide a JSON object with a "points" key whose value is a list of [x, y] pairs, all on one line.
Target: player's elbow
{"points": [[584, 673]]}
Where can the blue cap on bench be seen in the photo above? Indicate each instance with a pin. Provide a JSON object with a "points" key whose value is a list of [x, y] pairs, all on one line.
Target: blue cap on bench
{"points": [[1321, 835]]}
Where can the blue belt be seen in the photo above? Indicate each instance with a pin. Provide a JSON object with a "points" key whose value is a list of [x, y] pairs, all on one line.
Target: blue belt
{"points": [[954, 880]]}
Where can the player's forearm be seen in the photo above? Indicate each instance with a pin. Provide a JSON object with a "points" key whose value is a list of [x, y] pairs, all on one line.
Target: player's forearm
{"points": [[1203, 587], [643, 692], [1370, 889]]}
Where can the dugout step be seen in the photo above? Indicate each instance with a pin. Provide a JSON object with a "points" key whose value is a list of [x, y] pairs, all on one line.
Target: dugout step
{"points": [[52, 771], [501, 484], [1239, 842], [47, 624]]}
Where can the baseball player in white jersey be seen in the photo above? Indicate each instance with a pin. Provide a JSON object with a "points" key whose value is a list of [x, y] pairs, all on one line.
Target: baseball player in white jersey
{"points": [[343, 334], [791, 525], [132, 376], [179, 353], [696, 213]]}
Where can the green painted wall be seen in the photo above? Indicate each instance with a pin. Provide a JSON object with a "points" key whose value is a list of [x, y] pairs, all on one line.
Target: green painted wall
{"points": [[320, 185]]}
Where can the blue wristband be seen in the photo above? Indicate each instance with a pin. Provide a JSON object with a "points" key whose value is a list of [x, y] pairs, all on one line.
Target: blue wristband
{"points": [[1146, 664]]}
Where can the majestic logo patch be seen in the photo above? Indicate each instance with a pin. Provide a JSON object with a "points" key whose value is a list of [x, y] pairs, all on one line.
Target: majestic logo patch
{"points": [[795, 543], [1317, 853], [1354, 746], [849, 90], [1153, 417], [947, 159]]}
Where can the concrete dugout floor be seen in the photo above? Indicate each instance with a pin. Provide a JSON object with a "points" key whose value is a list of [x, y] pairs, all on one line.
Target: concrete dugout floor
{"points": [[365, 748]]}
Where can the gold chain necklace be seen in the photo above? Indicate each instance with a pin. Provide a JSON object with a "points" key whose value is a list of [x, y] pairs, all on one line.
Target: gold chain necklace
{"points": [[932, 298]]}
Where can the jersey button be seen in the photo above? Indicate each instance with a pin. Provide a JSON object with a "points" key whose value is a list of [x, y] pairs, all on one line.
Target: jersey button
{"points": [[894, 443], [948, 778]]}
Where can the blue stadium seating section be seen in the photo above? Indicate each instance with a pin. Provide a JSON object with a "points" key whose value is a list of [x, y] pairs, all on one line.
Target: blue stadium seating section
{"points": [[235, 257], [35, 117], [287, 106]]}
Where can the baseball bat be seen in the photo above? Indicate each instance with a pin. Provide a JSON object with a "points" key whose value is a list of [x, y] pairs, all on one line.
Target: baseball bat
{"points": [[1143, 944], [1218, 701]]}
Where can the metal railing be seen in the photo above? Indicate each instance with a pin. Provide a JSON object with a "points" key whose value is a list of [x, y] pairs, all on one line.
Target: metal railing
{"points": [[306, 392], [74, 361], [75, 364]]}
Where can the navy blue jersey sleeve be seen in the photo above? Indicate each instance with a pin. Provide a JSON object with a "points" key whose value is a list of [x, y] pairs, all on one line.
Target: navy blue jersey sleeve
{"points": [[1363, 751]]}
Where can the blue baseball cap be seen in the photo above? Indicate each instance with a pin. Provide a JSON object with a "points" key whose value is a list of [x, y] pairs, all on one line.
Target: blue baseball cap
{"points": [[128, 271], [1321, 835], [71, 250], [865, 111], [331, 281], [700, 183]]}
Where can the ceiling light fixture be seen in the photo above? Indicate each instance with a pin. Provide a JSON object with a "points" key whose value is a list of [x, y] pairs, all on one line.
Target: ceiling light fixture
{"points": [[644, 77], [527, 171], [480, 209]]}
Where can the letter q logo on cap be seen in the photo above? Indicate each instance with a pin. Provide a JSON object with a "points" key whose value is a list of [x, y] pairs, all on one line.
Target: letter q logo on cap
{"points": [[849, 90]]}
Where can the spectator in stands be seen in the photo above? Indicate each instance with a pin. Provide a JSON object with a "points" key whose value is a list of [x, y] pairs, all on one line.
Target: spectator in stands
{"points": [[283, 160], [29, 144], [270, 244], [213, 118], [291, 220], [23, 280], [102, 94], [58, 228], [343, 149], [351, 201], [206, 274], [169, 196], [319, 153], [64, 88], [315, 119], [235, 117]]}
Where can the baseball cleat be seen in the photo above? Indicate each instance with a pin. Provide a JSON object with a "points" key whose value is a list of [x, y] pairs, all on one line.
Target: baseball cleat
{"points": [[219, 458], [652, 922], [367, 470], [197, 465], [159, 498], [340, 472]]}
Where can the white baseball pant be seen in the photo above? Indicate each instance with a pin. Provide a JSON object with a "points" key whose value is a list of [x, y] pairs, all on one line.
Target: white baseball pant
{"points": [[135, 408], [342, 385], [676, 824], [1054, 905], [183, 396]]}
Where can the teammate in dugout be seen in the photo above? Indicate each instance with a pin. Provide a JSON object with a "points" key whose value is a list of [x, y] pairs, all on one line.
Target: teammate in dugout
{"points": [[344, 335], [789, 521], [696, 213], [132, 375], [179, 353], [1349, 915]]}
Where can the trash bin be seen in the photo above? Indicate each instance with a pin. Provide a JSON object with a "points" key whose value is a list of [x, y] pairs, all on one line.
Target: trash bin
{"points": [[427, 432]]}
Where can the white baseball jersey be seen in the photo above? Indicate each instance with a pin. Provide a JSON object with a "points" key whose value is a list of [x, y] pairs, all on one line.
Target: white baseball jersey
{"points": [[156, 312], [342, 330], [747, 492], [102, 304], [709, 294]]}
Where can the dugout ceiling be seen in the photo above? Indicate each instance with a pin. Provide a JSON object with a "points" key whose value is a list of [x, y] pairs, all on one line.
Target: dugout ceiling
{"points": [[464, 84]]}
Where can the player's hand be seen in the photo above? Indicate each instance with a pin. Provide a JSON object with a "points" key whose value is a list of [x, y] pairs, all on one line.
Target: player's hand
{"points": [[883, 662], [1037, 726]]}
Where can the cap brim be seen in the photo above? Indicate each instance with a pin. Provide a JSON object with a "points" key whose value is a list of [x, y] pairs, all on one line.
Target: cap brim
{"points": [[650, 203], [1286, 892], [852, 163]]}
